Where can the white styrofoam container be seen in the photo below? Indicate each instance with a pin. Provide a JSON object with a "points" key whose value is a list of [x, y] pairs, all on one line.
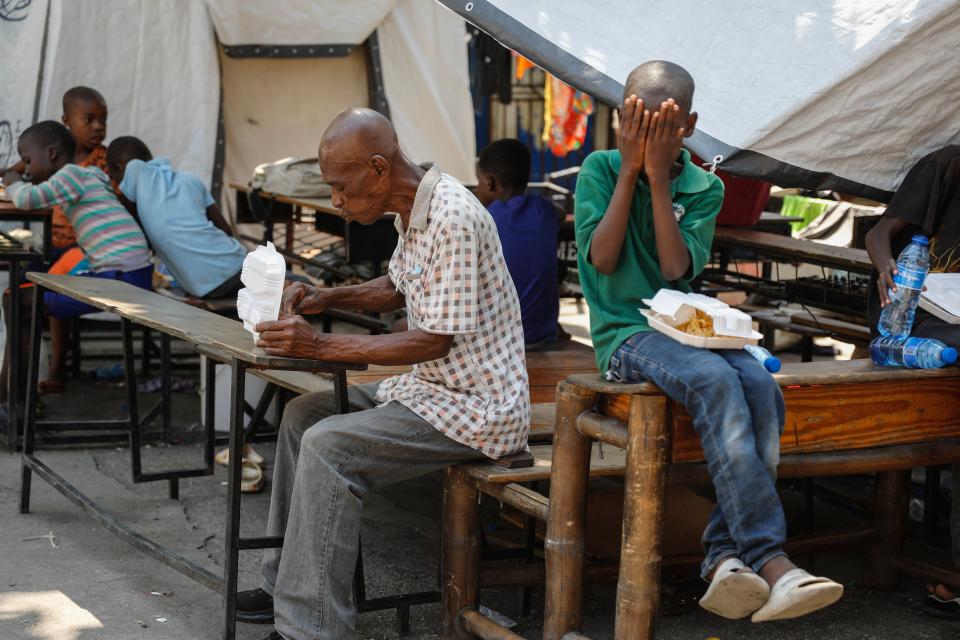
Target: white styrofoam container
{"points": [[677, 307], [263, 274], [662, 324]]}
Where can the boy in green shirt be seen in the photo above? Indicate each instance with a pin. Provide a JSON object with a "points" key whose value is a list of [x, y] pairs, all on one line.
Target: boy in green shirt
{"points": [[644, 221]]}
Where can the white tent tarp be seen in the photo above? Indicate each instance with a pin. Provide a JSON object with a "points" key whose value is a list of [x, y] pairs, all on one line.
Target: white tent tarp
{"points": [[154, 62], [21, 42], [296, 22], [158, 64], [842, 93]]}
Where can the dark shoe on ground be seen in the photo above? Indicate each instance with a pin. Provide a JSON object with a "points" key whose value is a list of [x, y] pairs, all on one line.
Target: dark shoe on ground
{"points": [[274, 636], [255, 606], [940, 608]]}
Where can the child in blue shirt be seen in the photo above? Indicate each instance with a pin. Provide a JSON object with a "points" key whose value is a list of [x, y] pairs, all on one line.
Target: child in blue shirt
{"points": [[180, 218], [528, 226]]}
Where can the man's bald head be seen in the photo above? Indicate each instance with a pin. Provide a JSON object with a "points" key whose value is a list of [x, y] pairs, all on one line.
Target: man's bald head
{"points": [[657, 81], [368, 174], [357, 134]]}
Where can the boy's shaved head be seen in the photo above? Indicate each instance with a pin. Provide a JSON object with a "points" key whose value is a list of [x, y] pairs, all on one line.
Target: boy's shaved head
{"points": [[78, 95], [657, 81], [127, 148], [50, 134]]}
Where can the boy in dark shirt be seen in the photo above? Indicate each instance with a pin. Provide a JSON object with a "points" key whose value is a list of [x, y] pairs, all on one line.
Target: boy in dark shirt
{"points": [[927, 202], [645, 218], [528, 226]]}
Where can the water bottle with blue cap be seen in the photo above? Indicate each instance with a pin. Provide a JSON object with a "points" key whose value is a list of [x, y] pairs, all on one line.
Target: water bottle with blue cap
{"points": [[913, 353], [896, 319]]}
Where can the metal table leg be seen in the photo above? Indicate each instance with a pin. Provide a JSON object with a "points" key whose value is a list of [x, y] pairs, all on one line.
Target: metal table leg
{"points": [[232, 534], [30, 414], [13, 374]]}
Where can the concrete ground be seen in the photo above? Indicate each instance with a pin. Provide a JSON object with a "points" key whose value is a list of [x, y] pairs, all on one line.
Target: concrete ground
{"points": [[63, 577]]}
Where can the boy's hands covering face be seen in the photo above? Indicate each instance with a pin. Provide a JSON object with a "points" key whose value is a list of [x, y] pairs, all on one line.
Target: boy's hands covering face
{"points": [[632, 134], [664, 139]]}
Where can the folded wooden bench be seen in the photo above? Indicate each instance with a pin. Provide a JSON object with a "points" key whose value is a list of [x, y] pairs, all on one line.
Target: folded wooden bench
{"points": [[843, 417]]}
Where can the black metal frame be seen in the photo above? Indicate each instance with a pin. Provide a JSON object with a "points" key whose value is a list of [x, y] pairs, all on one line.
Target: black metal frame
{"points": [[233, 543], [14, 258]]}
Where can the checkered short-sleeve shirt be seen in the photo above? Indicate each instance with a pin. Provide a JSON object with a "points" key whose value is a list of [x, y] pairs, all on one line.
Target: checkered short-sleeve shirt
{"points": [[449, 266]]}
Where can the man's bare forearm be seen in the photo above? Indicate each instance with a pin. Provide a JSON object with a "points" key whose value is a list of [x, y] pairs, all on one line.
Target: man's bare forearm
{"points": [[405, 347], [379, 295]]}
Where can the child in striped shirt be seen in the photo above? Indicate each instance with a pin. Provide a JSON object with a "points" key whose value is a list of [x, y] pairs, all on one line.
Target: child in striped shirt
{"points": [[111, 241]]}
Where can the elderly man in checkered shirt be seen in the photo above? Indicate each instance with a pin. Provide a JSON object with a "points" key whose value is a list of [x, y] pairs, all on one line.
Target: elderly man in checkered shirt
{"points": [[466, 398]]}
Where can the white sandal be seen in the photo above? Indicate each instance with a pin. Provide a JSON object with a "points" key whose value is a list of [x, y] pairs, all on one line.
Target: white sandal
{"points": [[251, 477], [734, 593], [796, 594]]}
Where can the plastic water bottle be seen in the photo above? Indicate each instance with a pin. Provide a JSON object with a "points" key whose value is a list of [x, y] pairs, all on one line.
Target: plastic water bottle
{"points": [[915, 353], [769, 361], [896, 319]]}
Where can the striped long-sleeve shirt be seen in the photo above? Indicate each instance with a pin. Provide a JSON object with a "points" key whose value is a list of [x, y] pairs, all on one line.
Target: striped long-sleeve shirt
{"points": [[106, 232]]}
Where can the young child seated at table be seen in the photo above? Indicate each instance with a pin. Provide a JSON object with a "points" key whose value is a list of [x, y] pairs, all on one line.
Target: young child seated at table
{"points": [[181, 220], [113, 245], [644, 221], [528, 226]]}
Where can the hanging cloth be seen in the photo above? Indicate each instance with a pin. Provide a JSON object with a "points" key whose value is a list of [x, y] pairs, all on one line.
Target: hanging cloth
{"points": [[565, 115]]}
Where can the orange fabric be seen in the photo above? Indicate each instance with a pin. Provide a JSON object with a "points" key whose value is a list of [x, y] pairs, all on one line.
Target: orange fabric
{"points": [[67, 262], [523, 65], [62, 233]]}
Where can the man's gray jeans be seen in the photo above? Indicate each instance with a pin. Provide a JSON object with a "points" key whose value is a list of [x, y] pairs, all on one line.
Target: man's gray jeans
{"points": [[325, 464]]}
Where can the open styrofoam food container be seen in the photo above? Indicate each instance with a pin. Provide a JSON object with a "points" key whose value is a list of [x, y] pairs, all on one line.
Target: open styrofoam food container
{"points": [[669, 309]]}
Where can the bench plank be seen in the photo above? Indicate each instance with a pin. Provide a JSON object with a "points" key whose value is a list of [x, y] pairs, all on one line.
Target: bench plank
{"points": [[793, 374], [174, 318], [605, 460], [846, 413]]}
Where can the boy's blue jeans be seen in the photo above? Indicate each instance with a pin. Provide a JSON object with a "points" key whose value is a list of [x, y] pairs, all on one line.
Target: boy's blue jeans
{"points": [[737, 410]]}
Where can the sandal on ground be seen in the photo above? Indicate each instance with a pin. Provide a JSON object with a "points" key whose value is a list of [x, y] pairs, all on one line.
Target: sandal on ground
{"points": [[735, 592], [223, 456], [251, 477], [796, 594], [939, 608]]}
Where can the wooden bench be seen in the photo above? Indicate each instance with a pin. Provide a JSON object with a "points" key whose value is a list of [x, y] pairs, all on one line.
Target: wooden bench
{"points": [[545, 369], [842, 418]]}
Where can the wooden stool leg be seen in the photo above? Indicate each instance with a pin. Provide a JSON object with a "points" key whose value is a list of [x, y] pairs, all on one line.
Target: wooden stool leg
{"points": [[891, 499], [460, 556], [564, 543], [648, 452]]}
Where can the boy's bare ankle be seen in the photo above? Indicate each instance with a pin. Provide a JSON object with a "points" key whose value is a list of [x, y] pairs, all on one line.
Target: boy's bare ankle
{"points": [[774, 569]]}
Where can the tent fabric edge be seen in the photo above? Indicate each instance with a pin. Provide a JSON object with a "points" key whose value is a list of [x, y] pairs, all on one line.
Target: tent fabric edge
{"points": [[740, 162]]}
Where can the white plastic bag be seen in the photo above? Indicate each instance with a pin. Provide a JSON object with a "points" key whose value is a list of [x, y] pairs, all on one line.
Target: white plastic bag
{"points": [[295, 177]]}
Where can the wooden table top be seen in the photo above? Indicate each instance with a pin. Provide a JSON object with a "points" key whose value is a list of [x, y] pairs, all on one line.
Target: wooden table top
{"points": [[794, 250], [177, 319]]}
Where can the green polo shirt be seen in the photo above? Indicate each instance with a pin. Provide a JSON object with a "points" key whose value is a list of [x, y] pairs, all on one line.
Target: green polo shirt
{"points": [[615, 300]]}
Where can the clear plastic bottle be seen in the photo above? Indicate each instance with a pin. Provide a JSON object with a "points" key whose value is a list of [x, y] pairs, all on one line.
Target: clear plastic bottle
{"points": [[769, 361], [914, 353], [896, 319]]}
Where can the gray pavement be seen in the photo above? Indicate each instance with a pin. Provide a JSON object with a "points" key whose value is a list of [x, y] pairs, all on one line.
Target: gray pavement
{"points": [[85, 584]]}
